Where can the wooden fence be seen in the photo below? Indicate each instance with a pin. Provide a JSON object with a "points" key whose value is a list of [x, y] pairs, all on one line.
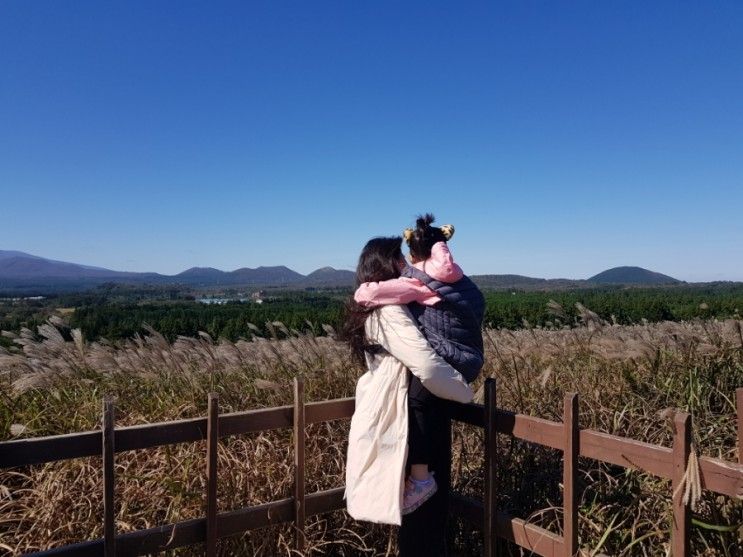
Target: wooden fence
{"points": [[716, 475]]}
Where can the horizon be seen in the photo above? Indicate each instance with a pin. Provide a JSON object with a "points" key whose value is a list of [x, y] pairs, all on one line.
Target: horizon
{"points": [[291, 268], [561, 141]]}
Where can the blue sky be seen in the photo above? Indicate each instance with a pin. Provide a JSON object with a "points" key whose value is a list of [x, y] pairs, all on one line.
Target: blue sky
{"points": [[561, 138]]}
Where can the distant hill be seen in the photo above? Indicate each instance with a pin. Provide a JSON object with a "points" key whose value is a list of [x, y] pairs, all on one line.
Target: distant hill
{"points": [[19, 265], [23, 272], [200, 272], [505, 282], [196, 276], [7, 254], [275, 276], [327, 276], [633, 276], [263, 276], [29, 273]]}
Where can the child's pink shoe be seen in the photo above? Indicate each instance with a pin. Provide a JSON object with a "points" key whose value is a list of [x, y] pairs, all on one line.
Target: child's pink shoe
{"points": [[416, 493]]}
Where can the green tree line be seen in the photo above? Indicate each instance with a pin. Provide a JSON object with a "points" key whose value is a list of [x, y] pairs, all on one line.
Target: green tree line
{"points": [[232, 320], [99, 316], [512, 310]]}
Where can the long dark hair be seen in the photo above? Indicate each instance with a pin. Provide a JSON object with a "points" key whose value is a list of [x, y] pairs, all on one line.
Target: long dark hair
{"points": [[424, 237], [379, 260]]}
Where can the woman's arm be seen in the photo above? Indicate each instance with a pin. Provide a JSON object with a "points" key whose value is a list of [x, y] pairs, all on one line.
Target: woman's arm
{"points": [[401, 290], [397, 332]]}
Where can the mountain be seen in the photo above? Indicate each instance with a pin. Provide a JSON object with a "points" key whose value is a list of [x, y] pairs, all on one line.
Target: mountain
{"points": [[200, 275], [29, 273], [10, 254], [208, 276], [275, 276], [327, 276], [23, 272], [505, 282], [629, 276], [18, 265], [633, 276], [7, 254]]}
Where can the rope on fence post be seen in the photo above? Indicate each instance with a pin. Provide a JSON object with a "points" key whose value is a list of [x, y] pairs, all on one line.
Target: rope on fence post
{"points": [[212, 443], [109, 509], [570, 474], [490, 514], [299, 457], [739, 404], [681, 527]]}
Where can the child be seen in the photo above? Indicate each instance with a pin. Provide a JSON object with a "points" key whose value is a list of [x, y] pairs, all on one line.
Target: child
{"points": [[449, 308], [439, 266]]}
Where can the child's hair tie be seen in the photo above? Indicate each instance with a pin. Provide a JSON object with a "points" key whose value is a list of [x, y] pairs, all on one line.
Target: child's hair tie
{"points": [[448, 231]]}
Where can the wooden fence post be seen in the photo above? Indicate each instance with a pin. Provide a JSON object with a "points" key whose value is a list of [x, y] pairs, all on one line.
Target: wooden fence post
{"points": [[570, 474], [680, 533], [299, 456], [490, 514], [109, 509], [212, 444], [739, 404]]}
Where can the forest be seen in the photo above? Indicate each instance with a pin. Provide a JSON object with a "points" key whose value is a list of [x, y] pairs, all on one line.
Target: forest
{"points": [[118, 314]]}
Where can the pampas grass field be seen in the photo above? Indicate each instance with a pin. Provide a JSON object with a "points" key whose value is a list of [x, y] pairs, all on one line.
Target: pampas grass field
{"points": [[630, 379]]}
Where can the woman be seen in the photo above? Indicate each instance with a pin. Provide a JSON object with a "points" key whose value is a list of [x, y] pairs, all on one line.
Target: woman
{"points": [[387, 340]]}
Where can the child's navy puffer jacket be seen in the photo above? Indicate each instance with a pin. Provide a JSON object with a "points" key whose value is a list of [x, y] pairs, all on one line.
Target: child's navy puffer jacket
{"points": [[453, 326]]}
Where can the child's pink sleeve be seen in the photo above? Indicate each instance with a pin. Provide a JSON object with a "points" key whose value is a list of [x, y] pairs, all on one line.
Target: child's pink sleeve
{"points": [[440, 265], [401, 290]]}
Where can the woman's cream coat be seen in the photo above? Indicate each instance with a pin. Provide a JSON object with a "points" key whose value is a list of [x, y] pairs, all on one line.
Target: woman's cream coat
{"points": [[378, 440]]}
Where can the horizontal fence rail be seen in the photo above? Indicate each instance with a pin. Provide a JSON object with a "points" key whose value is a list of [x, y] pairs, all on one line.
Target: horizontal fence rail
{"points": [[190, 532], [718, 476], [40, 450]]}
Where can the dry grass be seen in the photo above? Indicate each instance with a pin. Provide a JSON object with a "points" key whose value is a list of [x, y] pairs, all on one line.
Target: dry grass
{"points": [[626, 376]]}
